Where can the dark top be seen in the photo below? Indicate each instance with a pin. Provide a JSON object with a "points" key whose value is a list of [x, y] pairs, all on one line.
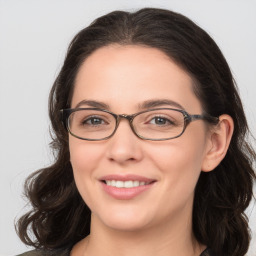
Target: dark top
{"points": [[66, 252]]}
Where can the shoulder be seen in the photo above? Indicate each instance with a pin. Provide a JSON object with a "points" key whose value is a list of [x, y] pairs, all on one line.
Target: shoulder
{"points": [[32, 253], [45, 253]]}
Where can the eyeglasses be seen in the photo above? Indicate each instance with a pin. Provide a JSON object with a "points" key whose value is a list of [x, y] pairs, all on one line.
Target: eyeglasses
{"points": [[158, 124]]}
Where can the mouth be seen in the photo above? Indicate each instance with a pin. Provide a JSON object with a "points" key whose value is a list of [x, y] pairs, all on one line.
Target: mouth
{"points": [[126, 184]]}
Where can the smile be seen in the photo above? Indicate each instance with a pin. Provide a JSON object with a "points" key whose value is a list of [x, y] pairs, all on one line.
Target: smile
{"points": [[126, 187], [125, 184]]}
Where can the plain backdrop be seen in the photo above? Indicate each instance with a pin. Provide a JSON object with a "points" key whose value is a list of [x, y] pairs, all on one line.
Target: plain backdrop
{"points": [[34, 36]]}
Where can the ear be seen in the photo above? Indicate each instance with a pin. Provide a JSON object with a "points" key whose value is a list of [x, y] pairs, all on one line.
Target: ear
{"points": [[218, 143]]}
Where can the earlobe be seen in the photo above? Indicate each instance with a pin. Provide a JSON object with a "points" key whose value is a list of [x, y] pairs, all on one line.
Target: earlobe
{"points": [[219, 140]]}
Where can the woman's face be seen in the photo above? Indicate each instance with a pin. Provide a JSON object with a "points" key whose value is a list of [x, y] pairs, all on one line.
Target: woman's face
{"points": [[123, 79]]}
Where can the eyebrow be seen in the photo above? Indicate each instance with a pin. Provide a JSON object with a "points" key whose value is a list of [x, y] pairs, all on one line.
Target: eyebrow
{"points": [[144, 105], [93, 104], [158, 103]]}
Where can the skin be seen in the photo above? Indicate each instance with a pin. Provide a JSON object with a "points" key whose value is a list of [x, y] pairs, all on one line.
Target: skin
{"points": [[158, 221]]}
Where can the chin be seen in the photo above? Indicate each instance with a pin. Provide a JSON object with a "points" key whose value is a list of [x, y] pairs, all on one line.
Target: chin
{"points": [[126, 225], [125, 220]]}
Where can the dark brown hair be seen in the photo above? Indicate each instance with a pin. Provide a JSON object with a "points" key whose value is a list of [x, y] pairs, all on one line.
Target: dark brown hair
{"points": [[60, 218]]}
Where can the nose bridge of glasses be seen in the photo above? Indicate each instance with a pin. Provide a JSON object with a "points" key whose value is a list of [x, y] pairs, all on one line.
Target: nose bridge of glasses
{"points": [[129, 118], [125, 116]]}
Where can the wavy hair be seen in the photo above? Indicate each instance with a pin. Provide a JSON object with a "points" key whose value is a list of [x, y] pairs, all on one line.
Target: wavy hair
{"points": [[60, 218]]}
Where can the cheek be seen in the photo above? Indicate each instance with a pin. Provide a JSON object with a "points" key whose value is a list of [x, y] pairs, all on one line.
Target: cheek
{"points": [[180, 162], [83, 156], [84, 159], [181, 159]]}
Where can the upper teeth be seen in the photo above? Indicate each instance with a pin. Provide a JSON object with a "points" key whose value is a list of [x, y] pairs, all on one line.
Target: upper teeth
{"points": [[125, 184]]}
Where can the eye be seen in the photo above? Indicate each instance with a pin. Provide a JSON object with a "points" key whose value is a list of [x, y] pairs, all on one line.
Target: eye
{"points": [[95, 121], [158, 120]]}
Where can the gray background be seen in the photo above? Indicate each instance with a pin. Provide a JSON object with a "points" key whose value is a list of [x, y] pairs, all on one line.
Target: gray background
{"points": [[34, 36]]}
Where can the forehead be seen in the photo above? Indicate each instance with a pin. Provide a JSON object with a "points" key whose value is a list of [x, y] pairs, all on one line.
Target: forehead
{"points": [[129, 75]]}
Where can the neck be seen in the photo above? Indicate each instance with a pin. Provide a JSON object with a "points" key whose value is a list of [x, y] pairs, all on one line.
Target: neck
{"points": [[171, 238]]}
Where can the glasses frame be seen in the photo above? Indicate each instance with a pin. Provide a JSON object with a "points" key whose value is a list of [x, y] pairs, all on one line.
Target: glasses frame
{"points": [[188, 118]]}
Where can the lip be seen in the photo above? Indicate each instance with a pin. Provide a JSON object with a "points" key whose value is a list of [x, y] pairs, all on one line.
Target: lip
{"points": [[127, 177], [126, 193]]}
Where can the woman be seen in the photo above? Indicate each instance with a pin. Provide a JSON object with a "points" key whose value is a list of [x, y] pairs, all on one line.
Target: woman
{"points": [[152, 157]]}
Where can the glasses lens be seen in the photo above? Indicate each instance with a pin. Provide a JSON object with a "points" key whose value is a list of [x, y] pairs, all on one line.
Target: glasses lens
{"points": [[159, 124], [91, 124]]}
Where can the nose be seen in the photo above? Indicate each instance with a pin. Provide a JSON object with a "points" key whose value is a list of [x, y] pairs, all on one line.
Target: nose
{"points": [[124, 146]]}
